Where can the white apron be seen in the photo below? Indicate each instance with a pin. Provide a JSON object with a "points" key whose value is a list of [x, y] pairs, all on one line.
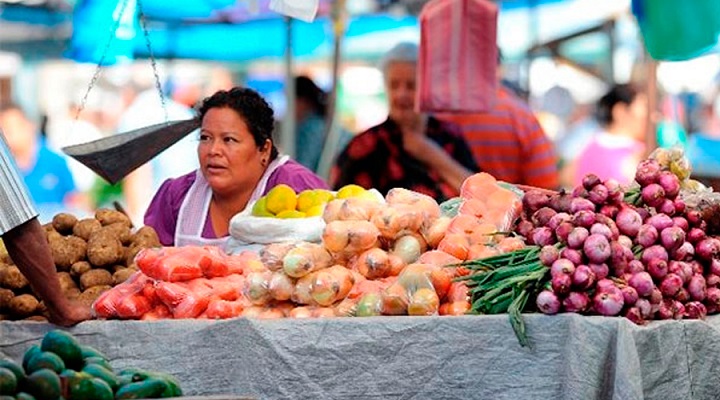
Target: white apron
{"points": [[195, 206]]}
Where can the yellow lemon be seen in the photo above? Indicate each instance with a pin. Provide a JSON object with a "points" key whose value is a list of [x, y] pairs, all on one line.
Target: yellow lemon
{"points": [[349, 191], [290, 214], [260, 208], [316, 210], [281, 198], [369, 196], [323, 196], [306, 199]]}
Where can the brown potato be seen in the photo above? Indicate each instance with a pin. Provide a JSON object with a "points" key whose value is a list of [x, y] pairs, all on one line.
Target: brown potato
{"points": [[86, 227], [72, 294], [122, 275], [67, 250], [36, 318], [80, 268], [24, 305], [64, 223], [146, 237], [12, 278], [89, 296], [66, 281], [120, 231], [53, 235], [130, 253], [107, 217], [95, 277], [5, 296], [104, 249]]}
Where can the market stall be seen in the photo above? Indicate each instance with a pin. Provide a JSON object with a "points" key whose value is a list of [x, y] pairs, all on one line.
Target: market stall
{"points": [[573, 356]]}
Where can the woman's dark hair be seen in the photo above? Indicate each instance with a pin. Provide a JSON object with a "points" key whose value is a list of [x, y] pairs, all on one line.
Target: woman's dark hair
{"points": [[624, 93], [306, 89], [251, 107]]}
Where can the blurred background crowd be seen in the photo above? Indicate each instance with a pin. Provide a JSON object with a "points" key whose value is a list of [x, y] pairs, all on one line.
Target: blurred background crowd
{"points": [[578, 67]]}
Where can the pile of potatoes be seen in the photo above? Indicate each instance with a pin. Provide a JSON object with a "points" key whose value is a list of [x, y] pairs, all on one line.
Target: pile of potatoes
{"points": [[91, 256]]}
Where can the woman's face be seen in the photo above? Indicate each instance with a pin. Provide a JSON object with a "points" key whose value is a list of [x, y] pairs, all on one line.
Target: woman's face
{"points": [[400, 87], [229, 158], [636, 117]]}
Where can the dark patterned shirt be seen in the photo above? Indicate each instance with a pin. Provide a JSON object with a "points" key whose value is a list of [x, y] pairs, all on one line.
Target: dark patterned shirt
{"points": [[376, 159]]}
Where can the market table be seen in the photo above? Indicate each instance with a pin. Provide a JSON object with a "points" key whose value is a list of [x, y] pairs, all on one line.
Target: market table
{"points": [[468, 357]]}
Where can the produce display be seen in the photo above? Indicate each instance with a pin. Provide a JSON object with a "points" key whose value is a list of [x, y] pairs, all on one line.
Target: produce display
{"points": [[91, 256], [61, 368], [639, 252], [282, 201], [377, 256]]}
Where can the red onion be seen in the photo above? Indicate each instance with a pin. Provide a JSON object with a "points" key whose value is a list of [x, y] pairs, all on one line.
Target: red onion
{"points": [[666, 207], [609, 210], [596, 248], [583, 278], [560, 202], [543, 236], [562, 266], [613, 187], [666, 310], [713, 297], [682, 269], [548, 255], [682, 295], [605, 285], [557, 219], [657, 268], [685, 252], [561, 284], [644, 212], [715, 266], [694, 217], [589, 181], [712, 280], [579, 192], [615, 232], [635, 266], [695, 235], [634, 315], [670, 184], [678, 310], [695, 310], [619, 254], [647, 235], [679, 205], [643, 283], [645, 308], [576, 238], [542, 216], [656, 296], [696, 267], [608, 304], [576, 302], [534, 200], [601, 229], [653, 195], [601, 271], [573, 255], [630, 295], [672, 238], [708, 248], [628, 221], [524, 228], [711, 309], [598, 194], [563, 230], [697, 287], [581, 204], [548, 302], [647, 172], [655, 251], [681, 223], [670, 285], [584, 218], [625, 241], [660, 221]]}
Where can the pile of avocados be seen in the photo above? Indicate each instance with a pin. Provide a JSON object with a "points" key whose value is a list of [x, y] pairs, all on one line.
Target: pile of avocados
{"points": [[61, 368]]}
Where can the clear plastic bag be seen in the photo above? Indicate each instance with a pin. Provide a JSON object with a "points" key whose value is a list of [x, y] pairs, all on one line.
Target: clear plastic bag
{"points": [[306, 258], [126, 300]]}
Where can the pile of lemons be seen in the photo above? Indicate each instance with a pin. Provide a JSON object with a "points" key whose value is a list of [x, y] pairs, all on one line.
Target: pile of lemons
{"points": [[282, 201]]}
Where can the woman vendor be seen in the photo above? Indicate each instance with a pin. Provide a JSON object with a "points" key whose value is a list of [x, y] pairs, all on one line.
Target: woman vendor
{"points": [[239, 163], [410, 149]]}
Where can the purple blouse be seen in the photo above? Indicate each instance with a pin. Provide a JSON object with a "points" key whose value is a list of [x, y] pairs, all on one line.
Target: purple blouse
{"points": [[162, 214]]}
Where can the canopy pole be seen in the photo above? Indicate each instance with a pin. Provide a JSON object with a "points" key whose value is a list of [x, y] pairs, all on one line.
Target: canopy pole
{"points": [[287, 139], [651, 91]]}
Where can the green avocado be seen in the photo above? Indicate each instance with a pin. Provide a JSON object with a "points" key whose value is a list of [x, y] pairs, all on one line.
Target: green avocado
{"points": [[8, 382], [147, 389], [47, 360], [44, 384], [64, 345]]}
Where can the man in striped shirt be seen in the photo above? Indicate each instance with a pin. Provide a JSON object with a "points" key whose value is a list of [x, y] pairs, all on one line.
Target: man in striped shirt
{"points": [[27, 244], [508, 142]]}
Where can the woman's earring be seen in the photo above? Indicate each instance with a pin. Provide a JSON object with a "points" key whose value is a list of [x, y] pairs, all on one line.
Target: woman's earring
{"points": [[263, 162]]}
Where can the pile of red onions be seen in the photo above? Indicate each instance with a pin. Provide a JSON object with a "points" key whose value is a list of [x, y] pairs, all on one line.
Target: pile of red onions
{"points": [[608, 257]]}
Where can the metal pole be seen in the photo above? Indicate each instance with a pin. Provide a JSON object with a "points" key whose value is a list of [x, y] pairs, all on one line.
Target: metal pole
{"points": [[651, 135], [287, 139]]}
